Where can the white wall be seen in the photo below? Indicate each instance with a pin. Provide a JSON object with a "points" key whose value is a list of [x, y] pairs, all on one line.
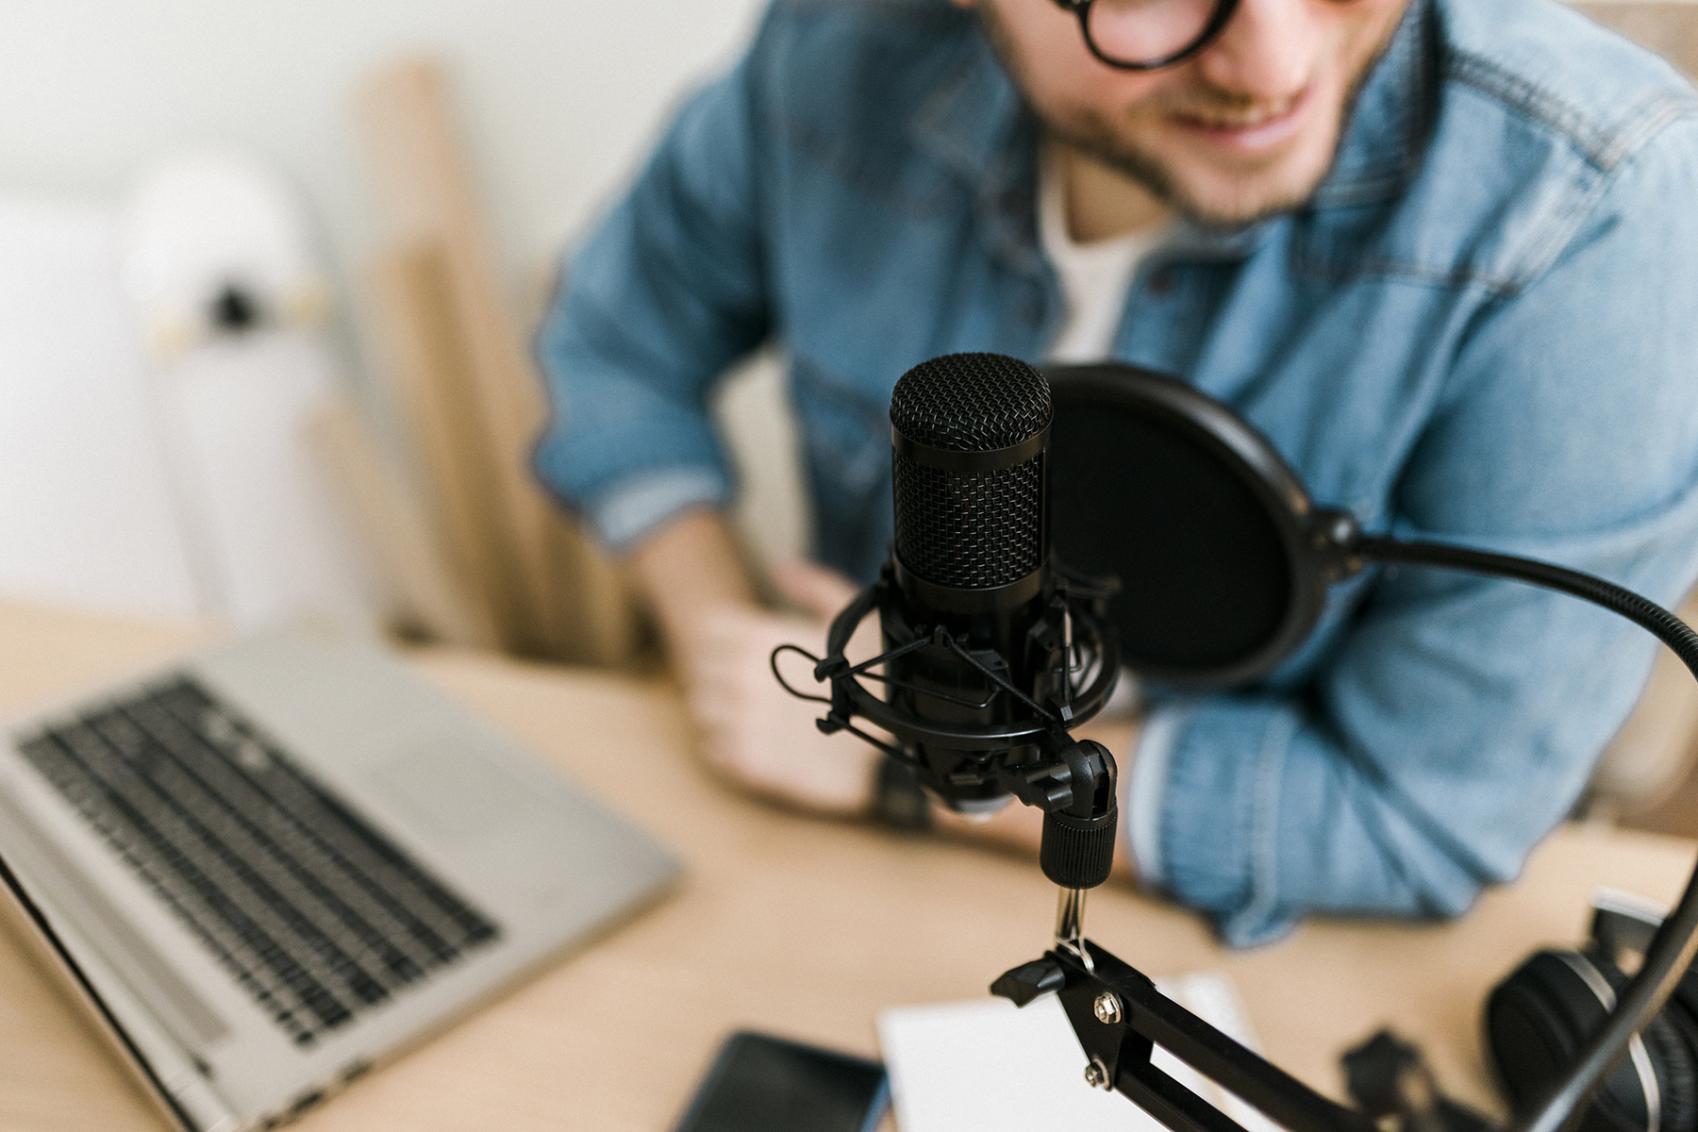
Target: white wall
{"points": [[558, 96], [558, 100]]}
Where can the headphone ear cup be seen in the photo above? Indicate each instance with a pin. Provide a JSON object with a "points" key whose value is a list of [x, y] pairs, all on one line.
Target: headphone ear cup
{"points": [[1669, 1044], [1536, 1021], [1681, 1013]]}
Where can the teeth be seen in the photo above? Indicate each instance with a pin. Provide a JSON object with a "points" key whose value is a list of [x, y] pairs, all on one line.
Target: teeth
{"points": [[1244, 119]]}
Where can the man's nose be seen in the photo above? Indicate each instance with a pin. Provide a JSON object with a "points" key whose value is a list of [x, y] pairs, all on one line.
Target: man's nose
{"points": [[1267, 51]]}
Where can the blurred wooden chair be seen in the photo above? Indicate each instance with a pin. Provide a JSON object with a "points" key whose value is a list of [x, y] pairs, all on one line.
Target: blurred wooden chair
{"points": [[1657, 748], [468, 394]]}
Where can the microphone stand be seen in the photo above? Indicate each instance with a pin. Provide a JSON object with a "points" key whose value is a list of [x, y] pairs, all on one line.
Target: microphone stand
{"points": [[1119, 1016], [1116, 1012]]}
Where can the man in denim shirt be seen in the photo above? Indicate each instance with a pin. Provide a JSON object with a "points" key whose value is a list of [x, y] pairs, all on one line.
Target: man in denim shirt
{"points": [[1442, 252]]}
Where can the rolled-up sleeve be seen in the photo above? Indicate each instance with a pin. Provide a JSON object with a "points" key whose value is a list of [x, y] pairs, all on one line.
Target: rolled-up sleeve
{"points": [[1458, 718], [667, 292]]}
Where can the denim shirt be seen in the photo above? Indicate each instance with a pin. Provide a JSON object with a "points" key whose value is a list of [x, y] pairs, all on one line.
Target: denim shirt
{"points": [[1482, 328]]}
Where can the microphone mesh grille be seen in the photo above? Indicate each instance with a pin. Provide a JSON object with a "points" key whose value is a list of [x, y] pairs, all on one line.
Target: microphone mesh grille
{"points": [[970, 531], [970, 402]]}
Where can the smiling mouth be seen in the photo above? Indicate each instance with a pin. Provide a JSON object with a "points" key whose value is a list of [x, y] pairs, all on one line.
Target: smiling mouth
{"points": [[1251, 129], [1245, 119]]}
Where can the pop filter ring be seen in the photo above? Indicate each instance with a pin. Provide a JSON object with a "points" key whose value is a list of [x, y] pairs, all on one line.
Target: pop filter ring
{"points": [[1308, 535]]}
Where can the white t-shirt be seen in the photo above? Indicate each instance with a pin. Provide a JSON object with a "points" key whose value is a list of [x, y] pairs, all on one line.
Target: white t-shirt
{"points": [[1094, 276]]}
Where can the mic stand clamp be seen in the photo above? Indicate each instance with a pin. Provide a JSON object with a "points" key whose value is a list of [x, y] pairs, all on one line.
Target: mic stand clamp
{"points": [[1075, 789], [1119, 1017]]}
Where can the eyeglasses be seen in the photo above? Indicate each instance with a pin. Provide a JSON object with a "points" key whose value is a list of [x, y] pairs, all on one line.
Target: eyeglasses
{"points": [[1145, 35]]}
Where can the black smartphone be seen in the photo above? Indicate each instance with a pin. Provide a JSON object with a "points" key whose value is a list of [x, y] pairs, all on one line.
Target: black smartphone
{"points": [[759, 1083]]}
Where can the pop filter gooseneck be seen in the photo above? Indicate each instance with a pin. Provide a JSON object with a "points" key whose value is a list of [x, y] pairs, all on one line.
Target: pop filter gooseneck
{"points": [[1229, 563]]}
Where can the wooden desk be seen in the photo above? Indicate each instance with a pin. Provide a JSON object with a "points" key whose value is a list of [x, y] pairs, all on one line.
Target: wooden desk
{"points": [[787, 924]]}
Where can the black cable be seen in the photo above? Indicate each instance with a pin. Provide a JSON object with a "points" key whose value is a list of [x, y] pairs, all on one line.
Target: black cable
{"points": [[1675, 945], [772, 663]]}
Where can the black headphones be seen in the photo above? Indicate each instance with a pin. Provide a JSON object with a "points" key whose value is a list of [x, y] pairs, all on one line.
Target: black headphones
{"points": [[1538, 1017]]}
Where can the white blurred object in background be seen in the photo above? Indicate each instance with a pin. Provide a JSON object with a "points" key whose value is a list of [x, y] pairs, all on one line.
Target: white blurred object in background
{"points": [[232, 310], [159, 365], [86, 515]]}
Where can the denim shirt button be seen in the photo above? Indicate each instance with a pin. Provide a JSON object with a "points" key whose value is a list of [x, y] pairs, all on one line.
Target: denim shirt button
{"points": [[1161, 282]]}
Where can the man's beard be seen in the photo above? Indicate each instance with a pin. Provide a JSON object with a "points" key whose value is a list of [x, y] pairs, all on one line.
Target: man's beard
{"points": [[1095, 137]]}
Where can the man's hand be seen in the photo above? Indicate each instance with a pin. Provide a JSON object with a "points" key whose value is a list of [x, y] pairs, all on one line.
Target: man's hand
{"points": [[749, 730], [754, 733]]}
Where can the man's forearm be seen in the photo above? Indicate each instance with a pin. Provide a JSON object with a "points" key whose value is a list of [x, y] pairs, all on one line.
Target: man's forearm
{"points": [[686, 568]]}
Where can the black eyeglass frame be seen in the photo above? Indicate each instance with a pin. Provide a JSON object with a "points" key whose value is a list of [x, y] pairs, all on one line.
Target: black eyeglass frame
{"points": [[1224, 11]]}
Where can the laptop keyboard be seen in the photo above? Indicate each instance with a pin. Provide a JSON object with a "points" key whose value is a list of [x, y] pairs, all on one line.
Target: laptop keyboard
{"points": [[316, 914]]}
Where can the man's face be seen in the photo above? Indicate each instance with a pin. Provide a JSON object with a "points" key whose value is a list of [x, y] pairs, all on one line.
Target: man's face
{"points": [[1245, 129]]}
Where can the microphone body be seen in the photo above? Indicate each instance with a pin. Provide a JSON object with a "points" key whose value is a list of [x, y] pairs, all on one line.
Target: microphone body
{"points": [[969, 439]]}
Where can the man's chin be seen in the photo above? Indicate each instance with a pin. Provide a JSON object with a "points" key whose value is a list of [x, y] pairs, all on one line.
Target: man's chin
{"points": [[1231, 196], [1212, 195], [1240, 205]]}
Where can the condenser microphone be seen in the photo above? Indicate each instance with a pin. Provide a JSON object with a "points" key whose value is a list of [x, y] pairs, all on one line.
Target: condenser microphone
{"points": [[992, 652], [969, 440]]}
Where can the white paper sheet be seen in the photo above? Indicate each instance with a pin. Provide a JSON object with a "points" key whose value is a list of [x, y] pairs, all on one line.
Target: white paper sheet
{"points": [[989, 1066]]}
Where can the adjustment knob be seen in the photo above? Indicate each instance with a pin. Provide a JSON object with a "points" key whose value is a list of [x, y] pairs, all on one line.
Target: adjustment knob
{"points": [[1078, 852]]}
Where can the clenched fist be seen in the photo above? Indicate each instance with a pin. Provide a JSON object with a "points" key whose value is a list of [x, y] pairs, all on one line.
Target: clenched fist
{"points": [[754, 733]]}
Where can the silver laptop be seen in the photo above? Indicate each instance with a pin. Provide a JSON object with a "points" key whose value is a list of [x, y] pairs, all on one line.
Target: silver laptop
{"points": [[269, 867]]}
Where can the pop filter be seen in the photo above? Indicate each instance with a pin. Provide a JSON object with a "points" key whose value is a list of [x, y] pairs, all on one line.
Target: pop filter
{"points": [[1211, 534]]}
